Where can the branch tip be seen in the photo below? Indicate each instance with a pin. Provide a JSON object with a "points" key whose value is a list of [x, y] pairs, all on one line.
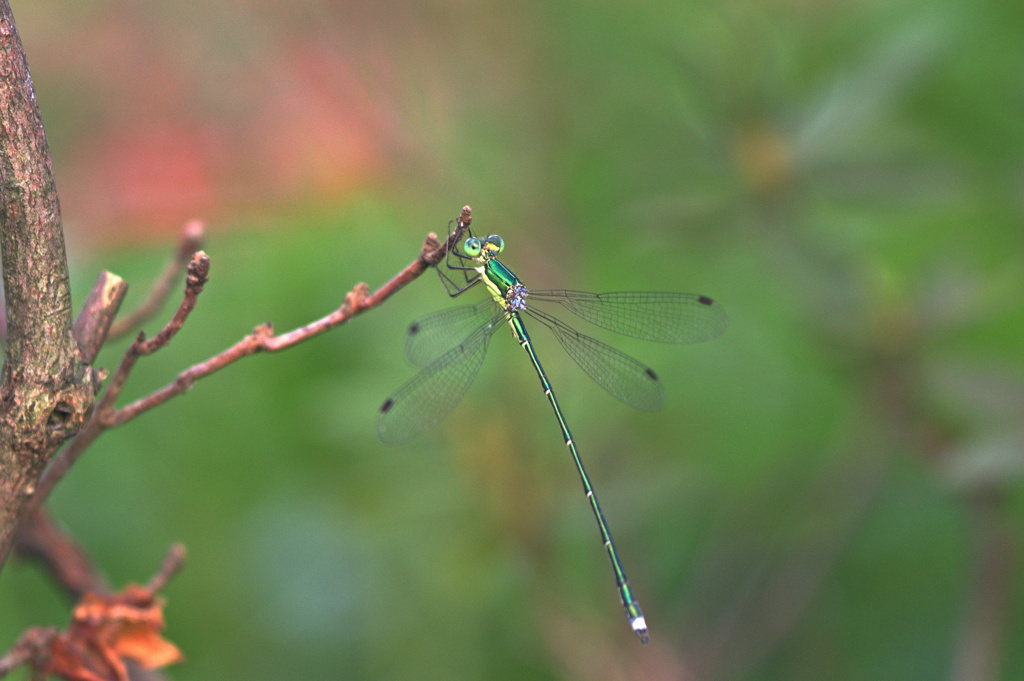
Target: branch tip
{"points": [[173, 562], [198, 271], [192, 235]]}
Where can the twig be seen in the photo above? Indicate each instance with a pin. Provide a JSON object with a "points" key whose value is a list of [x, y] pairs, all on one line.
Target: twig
{"points": [[173, 562], [192, 234]]}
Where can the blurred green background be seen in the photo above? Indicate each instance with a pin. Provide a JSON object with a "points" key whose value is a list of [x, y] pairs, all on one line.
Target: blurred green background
{"points": [[833, 489]]}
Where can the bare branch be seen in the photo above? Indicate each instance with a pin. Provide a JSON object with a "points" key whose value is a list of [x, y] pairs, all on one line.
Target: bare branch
{"points": [[191, 240], [41, 538], [261, 339]]}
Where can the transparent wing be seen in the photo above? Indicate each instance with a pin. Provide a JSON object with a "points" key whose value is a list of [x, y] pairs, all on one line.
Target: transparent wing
{"points": [[432, 393], [661, 317], [622, 376], [432, 336]]}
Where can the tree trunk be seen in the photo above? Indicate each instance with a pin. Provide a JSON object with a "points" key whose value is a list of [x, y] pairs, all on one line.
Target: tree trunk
{"points": [[46, 389]]}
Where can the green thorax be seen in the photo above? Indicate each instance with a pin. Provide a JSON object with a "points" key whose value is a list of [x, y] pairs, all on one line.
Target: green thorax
{"points": [[499, 277]]}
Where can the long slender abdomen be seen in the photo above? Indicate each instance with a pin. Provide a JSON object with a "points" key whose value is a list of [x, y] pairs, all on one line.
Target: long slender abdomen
{"points": [[626, 596]]}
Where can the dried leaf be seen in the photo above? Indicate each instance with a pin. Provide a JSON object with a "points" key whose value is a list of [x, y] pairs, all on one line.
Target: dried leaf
{"points": [[106, 630]]}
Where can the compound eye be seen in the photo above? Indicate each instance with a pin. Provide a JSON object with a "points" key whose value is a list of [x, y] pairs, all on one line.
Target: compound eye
{"points": [[496, 242], [472, 246]]}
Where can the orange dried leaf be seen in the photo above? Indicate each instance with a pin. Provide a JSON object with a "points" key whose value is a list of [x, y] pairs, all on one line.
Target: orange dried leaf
{"points": [[105, 630], [145, 645]]}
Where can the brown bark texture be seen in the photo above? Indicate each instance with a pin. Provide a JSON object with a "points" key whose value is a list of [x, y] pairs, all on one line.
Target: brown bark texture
{"points": [[46, 390]]}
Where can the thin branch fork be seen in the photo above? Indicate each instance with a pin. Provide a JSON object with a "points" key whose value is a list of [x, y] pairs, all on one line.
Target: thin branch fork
{"points": [[262, 339]]}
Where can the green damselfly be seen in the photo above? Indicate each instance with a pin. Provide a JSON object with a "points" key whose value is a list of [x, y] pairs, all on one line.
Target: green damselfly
{"points": [[451, 346]]}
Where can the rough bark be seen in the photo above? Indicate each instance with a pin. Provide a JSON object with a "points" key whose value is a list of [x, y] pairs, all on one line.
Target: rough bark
{"points": [[46, 389]]}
